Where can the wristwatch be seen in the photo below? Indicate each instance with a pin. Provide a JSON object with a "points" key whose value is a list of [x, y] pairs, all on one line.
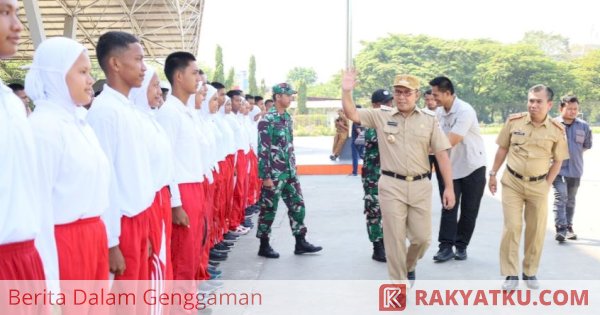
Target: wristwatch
{"points": [[492, 173]]}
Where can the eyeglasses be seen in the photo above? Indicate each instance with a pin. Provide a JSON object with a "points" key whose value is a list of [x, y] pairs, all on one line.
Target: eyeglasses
{"points": [[405, 93]]}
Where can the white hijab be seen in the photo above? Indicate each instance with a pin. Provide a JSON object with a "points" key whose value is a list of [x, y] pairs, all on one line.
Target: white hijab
{"points": [[228, 139], [46, 78], [235, 125], [207, 142], [139, 96]]}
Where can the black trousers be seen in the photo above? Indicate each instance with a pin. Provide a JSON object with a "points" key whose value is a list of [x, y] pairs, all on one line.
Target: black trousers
{"points": [[457, 230]]}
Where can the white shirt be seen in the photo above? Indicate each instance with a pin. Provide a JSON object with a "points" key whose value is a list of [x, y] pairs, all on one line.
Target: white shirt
{"points": [[178, 123], [19, 208], [74, 171], [229, 141], [161, 151], [469, 154], [119, 128]]}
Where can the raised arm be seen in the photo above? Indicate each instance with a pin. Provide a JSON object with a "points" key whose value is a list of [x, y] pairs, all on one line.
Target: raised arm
{"points": [[348, 84]]}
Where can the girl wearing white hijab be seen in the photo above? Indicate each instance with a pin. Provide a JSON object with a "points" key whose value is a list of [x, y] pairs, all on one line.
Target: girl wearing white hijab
{"points": [[225, 189], [207, 146], [224, 118], [146, 99], [74, 171]]}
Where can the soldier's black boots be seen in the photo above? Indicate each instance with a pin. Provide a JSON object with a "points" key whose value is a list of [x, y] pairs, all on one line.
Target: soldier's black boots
{"points": [[379, 251], [266, 250], [302, 246]]}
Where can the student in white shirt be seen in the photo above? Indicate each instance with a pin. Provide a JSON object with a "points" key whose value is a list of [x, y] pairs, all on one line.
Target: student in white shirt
{"points": [[224, 119], [119, 127], [69, 158], [187, 193], [147, 98], [20, 213]]}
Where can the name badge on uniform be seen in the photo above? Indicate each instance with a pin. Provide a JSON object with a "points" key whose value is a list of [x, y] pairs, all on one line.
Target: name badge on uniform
{"points": [[519, 133], [392, 123]]}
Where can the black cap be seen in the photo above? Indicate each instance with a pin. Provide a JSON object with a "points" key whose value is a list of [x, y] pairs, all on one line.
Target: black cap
{"points": [[381, 96]]}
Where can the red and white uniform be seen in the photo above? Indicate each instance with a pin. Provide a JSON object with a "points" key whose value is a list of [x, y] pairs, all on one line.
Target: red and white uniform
{"points": [[186, 189], [119, 128], [20, 215], [161, 163]]}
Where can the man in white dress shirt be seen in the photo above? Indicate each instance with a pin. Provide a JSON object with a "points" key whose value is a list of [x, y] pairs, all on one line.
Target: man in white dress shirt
{"points": [[19, 212], [119, 128], [187, 194]]}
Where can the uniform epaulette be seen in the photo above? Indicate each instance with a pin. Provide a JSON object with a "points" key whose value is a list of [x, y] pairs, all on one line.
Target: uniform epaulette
{"points": [[428, 112], [516, 116], [558, 124]]}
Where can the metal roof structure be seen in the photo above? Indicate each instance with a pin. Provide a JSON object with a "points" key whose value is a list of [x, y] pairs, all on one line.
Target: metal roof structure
{"points": [[163, 26]]}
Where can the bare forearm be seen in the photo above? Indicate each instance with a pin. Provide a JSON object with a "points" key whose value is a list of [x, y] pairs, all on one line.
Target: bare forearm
{"points": [[554, 170], [349, 107], [445, 168], [499, 158]]}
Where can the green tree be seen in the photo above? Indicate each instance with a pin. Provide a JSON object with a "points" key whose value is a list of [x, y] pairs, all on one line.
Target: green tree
{"points": [[553, 45], [230, 81], [297, 74], [302, 98], [219, 68], [263, 87], [252, 76], [329, 89]]}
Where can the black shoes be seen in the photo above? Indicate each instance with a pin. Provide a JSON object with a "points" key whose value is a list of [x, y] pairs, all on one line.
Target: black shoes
{"points": [[511, 283], [570, 234], [561, 235], [378, 251], [461, 254], [444, 254], [531, 282], [411, 276], [303, 247], [265, 250], [217, 256]]}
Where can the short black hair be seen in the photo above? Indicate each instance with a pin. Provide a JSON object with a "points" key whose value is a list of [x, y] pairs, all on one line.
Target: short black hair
{"points": [[248, 96], [110, 42], [16, 87], [541, 87], [428, 92], [232, 93], [568, 99], [217, 85], [443, 84], [177, 61], [268, 101], [258, 99]]}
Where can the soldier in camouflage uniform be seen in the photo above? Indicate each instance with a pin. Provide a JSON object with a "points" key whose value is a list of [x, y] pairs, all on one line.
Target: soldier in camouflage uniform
{"points": [[277, 169], [370, 177]]}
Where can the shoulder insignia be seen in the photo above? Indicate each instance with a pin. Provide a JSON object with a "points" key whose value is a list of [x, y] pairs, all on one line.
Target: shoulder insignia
{"points": [[428, 112], [516, 116], [558, 124]]}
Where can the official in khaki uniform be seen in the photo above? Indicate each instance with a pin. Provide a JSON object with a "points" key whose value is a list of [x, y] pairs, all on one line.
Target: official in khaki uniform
{"points": [[535, 146], [405, 135]]}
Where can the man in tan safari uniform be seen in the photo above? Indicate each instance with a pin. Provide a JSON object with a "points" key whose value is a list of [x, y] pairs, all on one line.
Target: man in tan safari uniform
{"points": [[405, 133], [534, 146]]}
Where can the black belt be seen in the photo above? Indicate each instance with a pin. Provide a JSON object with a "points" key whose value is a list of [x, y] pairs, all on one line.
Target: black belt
{"points": [[406, 178], [525, 178]]}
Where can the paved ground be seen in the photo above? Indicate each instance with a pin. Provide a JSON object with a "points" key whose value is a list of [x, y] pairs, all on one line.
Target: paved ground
{"points": [[335, 221]]}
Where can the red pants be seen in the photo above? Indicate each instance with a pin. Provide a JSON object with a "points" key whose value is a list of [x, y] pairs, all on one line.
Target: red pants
{"points": [[133, 244], [186, 241], [229, 191], [82, 249], [20, 261], [160, 236], [209, 192], [253, 182], [240, 192]]}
